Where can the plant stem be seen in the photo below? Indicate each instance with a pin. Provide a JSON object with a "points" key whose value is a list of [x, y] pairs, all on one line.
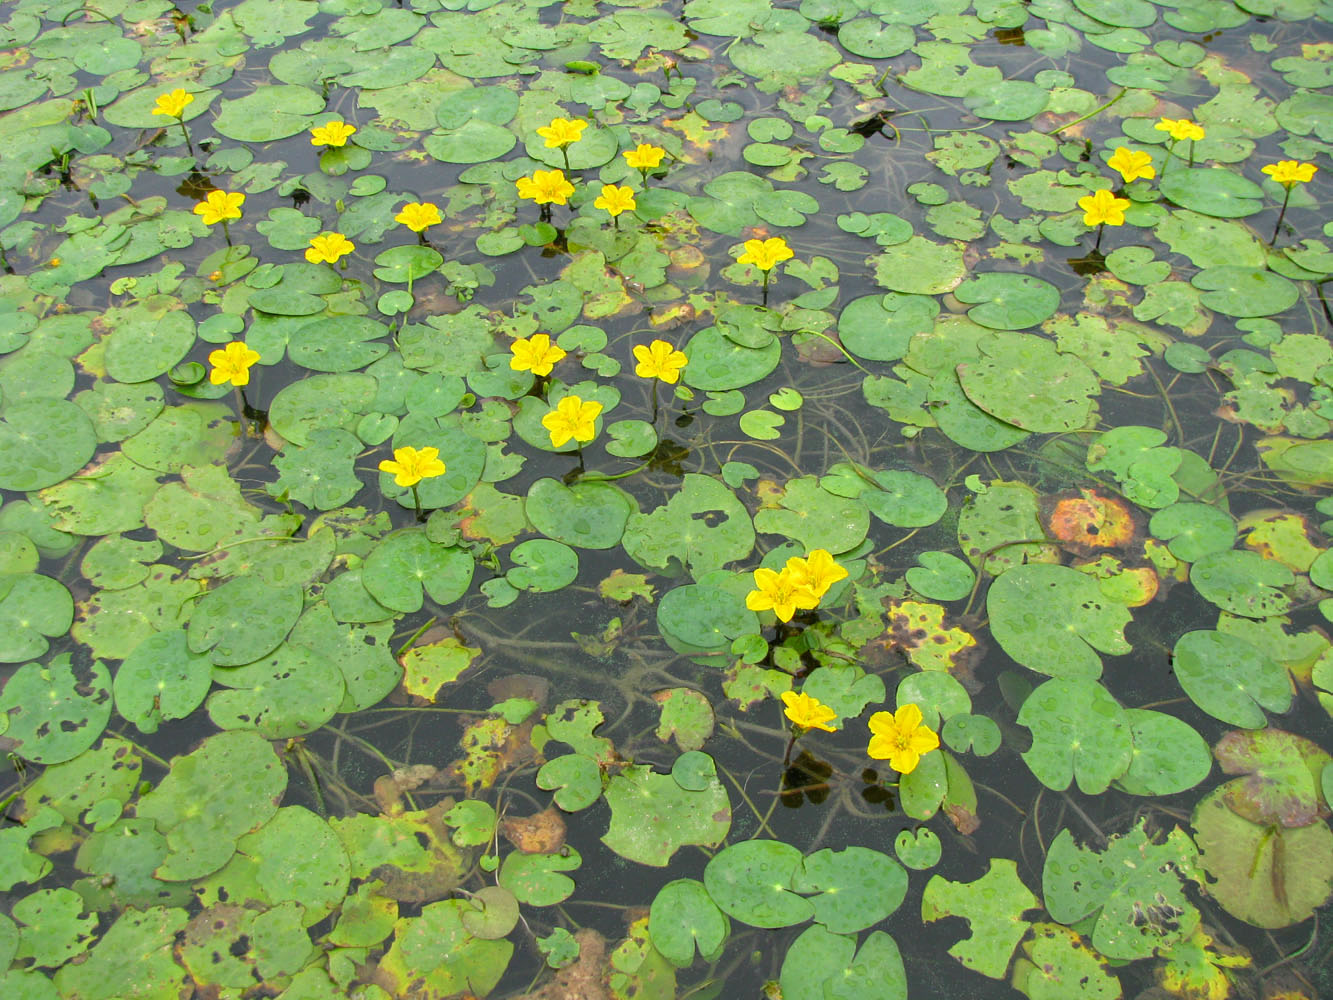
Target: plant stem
{"points": [[416, 497], [1096, 247], [1281, 215], [1091, 114], [226, 232], [766, 274], [564, 150]]}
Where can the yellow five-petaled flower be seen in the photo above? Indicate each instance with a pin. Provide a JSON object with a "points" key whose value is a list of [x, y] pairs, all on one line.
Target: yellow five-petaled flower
{"points": [[572, 418], [900, 738], [818, 571], [766, 254], [334, 133], [1180, 128], [419, 215], [659, 360], [1289, 172], [535, 354], [615, 200], [1132, 164], [807, 711], [562, 131], [644, 157], [220, 206], [781, 593], [1103, 208], [328, 248], [411, 465], [232, 364], [172, 103], [545, 186]]}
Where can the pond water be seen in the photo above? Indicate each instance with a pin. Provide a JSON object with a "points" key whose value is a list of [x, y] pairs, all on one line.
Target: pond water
{"points": [[1042, 388]]}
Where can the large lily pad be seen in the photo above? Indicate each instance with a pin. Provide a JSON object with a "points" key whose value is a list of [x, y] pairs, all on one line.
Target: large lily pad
{"points": [[1023, 380], [55, 711], [1078, 732], [653, 816]]}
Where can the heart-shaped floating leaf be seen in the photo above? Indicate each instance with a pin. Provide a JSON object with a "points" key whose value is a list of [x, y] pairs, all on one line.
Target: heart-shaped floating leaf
{"points": [[586, 515], [1229, 678], [703, 526], [536, 878], [1023, 380], [683, 917], [32, 607], [575, 779], [1054, 619], [1243, 583], [918, 850], [752, 882], [1078, 732], [407, 565], [243, 620], [1169, 755], [1214, 191], [162, 680], [653, 816], [43, 441], [821, 964], [1005, 300], [542, 565], [856, 887], [55, 710]]}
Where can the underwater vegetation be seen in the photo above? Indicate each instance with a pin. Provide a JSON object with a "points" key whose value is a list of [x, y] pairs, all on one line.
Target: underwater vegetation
{"points": [[708, 499]]}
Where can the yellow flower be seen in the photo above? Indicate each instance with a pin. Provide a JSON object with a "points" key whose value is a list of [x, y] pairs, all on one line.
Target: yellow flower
{"points": [[765, 254], [572, 418], [1103, 207], [817, 571], [562, 131], [615, 199], [411, 465], [535, 354], [1132, 164], [334, 133], [545, 186], [418, 215], [232, 364], [780, 593], [172, 103], [329, 248], [220, 206], [808, 712], [645, 157], [659, 360], [900, 738], [1289, 172], [1180, 128]]}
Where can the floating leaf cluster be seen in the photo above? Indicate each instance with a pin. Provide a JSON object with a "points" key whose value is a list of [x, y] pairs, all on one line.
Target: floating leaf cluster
{"points": [[360, 683]]}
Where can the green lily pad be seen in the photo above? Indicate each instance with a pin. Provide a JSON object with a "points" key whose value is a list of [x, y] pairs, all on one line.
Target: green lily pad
{"points": [[1169, 755], [816, 518], [941, 576], [298, 858], [42, 441], [1008, 301], [652, 816], [920, 267], [687, 717], [918, 850], [588, 515], [856, 887], [227, 787], [880, 327], [1054, 619], [162, 680], [993, 906], [752, 882], [906, 499], [475, 141], [1023, 380], [684, 917], [407, 565], [243, 620], [702, 528], [717, 363], [55, 710], [283, 694], [1008, 101], [1111, 886], [1243, 583], [542, 565], [1193, 530], [1245, 291], [821, 965], [575, 778], [321, 401], [1078, 732], [1214, 191], [32, 608], [272, 112]]}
